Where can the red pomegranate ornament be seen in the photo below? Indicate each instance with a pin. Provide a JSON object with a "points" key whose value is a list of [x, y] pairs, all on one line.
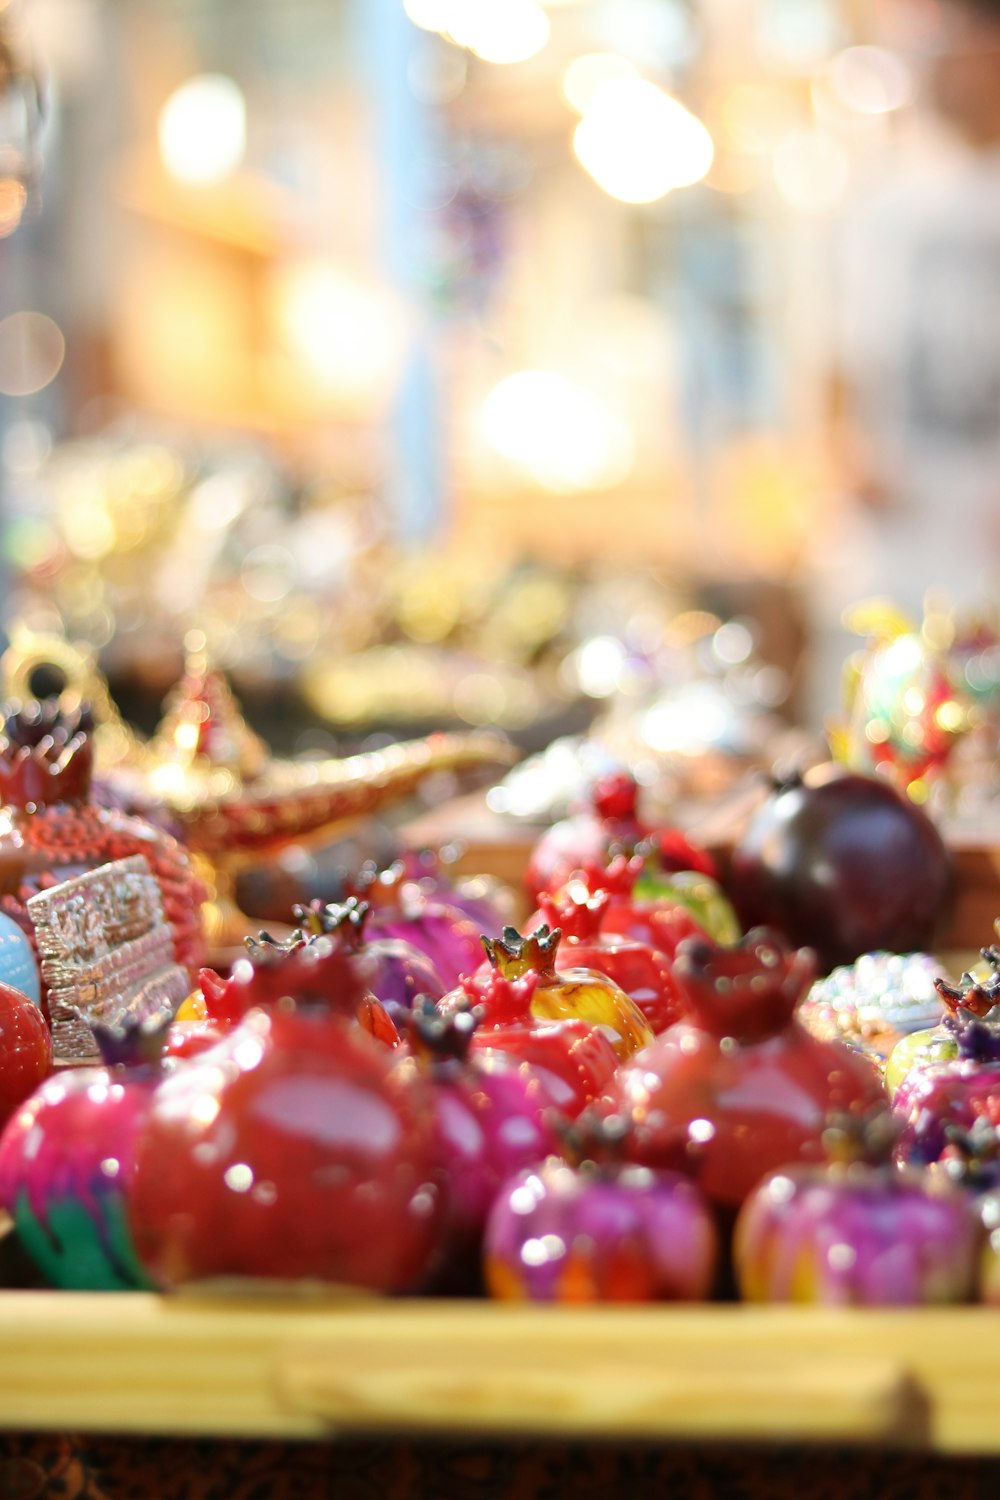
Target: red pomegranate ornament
{"points": [[635, 966], [580, 993], [25, 1049], [295, 1147], [610, 825], [663, 924], [739, 1088], [572, 1061], [50, 829]]}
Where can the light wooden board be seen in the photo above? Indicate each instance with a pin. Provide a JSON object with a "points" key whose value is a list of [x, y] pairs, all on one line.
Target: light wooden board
{"points": [[299, 1367]]}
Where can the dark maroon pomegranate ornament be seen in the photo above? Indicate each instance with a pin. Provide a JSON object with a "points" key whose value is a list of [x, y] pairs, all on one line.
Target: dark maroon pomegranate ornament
{"points": [[844, 863]]}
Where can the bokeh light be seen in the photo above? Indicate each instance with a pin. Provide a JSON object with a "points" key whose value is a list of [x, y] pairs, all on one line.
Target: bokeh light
{"points": [[870, 80], [202, 130], [556, 432], [32, 349], [498, 31], [585, 75], [347, 332], [638, 143], [811, 171]]}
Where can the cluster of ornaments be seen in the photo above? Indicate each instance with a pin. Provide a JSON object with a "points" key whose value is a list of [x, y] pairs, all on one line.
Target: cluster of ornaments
{"points": [[644, 1091]]}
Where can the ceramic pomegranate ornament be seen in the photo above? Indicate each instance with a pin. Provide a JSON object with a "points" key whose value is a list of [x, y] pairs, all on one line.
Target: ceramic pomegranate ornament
{"points": [[400, 909], [67, 1158], [610, 825], [560, 995], [599, 1230], [51, 829], [739, 1087], [951, 1092], [489, 1121], [293, 1148], [636, 967], [394, 970], [663, 924], [486, 901], [25, 1049], [571, 1060], [857, 1233], [876, 1002], [844, 863]]}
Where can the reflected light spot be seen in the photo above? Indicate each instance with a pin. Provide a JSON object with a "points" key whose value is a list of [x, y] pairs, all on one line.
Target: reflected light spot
{"points": [[32, 349], [585, 75], [638, 143], [202, 130], [239, 1177]]}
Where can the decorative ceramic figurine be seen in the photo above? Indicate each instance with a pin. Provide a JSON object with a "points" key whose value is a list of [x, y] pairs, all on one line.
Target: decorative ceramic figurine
{"points": [[66, 1162], [599, 1231], [295, 1147], [857, 1233], [582, 993], [51, 831], [739, 1087]]}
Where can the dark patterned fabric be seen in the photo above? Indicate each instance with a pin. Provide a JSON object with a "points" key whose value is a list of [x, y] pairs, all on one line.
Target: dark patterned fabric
{"points": [[100, 1468]]}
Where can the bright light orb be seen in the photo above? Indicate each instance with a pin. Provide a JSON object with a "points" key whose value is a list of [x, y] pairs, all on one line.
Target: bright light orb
{"points": [[203, 130], [557, 433], [499, 31], [638, 143]]}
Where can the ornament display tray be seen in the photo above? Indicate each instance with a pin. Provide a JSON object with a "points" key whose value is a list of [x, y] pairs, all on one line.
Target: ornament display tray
{"points": [[300, 1366]]}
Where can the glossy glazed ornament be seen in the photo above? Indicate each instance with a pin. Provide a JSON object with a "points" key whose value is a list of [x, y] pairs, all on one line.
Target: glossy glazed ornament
{"points": [[610, 825], [663, 924], [400, 909], [571, 1060], [394, 970], [599, 1233], [952, 1093], [740, 1087], [489, 1121], [25, 1049], [845, 864], [875, 1002], [574, 993], [50, 830], [854, 1235], [66, 1162], [636, 967], [486, 901], [293, 1148]]}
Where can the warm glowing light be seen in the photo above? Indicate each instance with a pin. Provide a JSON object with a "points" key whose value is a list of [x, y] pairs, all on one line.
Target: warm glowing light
{"points": [[347, 332], [556, 432], [32, 349], [432, 15], [202, 129], [638, 143], [585, 75], [499, 31], [870, 80], [755, 116], [13, 197], [811, 171]]}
